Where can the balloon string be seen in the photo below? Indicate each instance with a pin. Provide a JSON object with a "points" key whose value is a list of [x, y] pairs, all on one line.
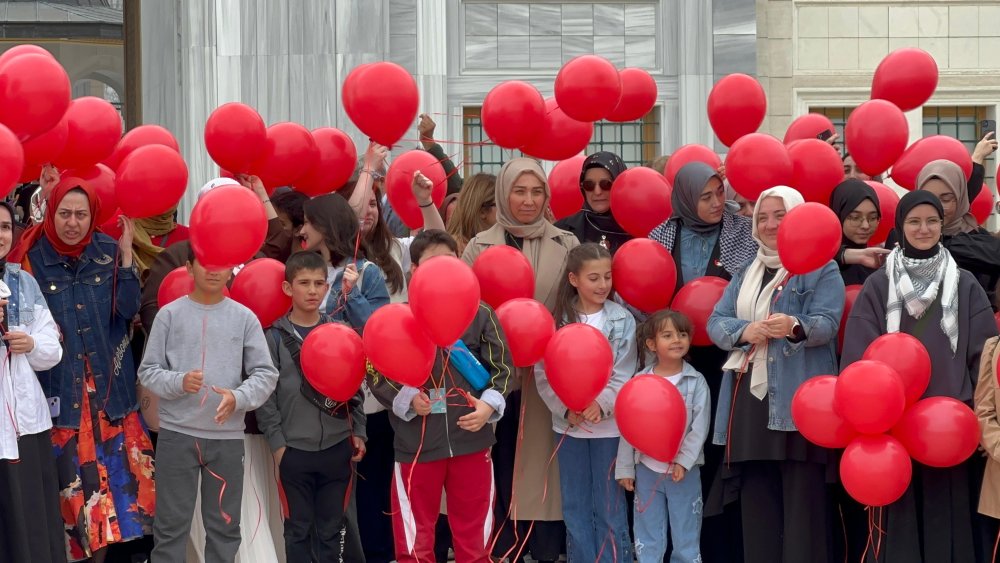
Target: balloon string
{"points": [[204, 351], [995, 546], [447, 142], [226, 517], [8, 375], [512, 509], [260, 508]]}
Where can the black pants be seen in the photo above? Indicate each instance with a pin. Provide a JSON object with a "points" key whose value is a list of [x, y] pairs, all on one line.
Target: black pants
{"points": [[315, 485], [31, 527], [785, 516], [374, 504]]}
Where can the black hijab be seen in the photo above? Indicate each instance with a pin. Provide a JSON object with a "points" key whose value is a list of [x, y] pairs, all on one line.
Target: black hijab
{"points": [[846, 197], [589, 225], [906, 204]]}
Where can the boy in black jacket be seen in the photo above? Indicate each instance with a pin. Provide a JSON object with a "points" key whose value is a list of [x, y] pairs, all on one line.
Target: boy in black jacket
{"points": [[315, 440], [453, 433]]}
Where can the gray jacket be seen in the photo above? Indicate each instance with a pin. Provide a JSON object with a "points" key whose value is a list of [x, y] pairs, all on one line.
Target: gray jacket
{"points": [[694, 389]]}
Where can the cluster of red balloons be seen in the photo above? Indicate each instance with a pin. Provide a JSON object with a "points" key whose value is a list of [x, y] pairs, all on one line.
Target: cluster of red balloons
{"points": [[285, 154], [874, 410], [588, 88]]}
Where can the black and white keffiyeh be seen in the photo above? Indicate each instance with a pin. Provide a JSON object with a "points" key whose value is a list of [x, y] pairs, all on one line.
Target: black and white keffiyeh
{"points": [[915, 283], [736, 244]]}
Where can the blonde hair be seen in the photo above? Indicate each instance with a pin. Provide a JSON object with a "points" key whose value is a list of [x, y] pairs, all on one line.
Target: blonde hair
{"points": [[467, 221]]}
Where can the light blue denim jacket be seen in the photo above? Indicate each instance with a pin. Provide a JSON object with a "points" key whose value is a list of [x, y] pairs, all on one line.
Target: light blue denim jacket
{"points": [[816, 299], [619, 328]]}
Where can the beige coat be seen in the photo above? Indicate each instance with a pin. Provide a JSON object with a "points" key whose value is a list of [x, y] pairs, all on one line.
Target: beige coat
{"points": [[538, 443], [987, 399]]}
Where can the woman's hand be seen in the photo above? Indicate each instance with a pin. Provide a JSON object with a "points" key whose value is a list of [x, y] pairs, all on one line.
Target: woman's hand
{"points": [[426, 130], [125, 243], [19, 342], [375, 157], [592, 413], [755, 333], [868, 257], [779, 325], [985, 148], [422, 188], [49, 179], [350, 278]]}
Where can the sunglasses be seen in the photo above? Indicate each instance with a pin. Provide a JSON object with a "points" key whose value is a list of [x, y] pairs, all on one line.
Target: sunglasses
{"points": [[590, 185]]}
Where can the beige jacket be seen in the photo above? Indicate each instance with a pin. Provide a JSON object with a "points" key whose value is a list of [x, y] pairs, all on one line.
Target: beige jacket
{"points": [[531, 481], [987, 398]]}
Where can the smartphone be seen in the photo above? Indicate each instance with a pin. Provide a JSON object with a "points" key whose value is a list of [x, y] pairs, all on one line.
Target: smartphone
{"points": [[54, 407], [987, 126], [824, 135]]}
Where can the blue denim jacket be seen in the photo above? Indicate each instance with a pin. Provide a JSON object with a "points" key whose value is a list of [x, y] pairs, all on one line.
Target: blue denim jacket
{"points": [[80, 298], [817, 301], [369, 294]]}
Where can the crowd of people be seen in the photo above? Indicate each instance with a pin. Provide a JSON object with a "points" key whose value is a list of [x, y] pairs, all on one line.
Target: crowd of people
{"points": [[189, 432]]}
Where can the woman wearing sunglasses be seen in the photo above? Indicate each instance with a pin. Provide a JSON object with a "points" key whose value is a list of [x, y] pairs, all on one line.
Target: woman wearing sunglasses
{"points": [[595, 223]]}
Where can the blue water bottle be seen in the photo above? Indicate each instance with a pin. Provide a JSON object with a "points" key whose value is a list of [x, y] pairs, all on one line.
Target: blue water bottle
{"points": [[468, 365]]}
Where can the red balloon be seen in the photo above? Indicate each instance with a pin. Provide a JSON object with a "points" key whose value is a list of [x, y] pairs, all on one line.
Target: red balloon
{"points": [[908, 357], [150, 181], [758, 162], [564, 183], [94, 129], [513, 114], [851, 293], [644, 274], [504, 273], [808, 126], [139, 137], [102, 180], [12, 164], [333, 361], [638, 95], [578, 363], [939, 431], [906, 77], [34, 94], [335, 165], [30, 173], [228, 226], [399, 182], [809, 236], [528, 326], [875, 470], [697, 299], [888, 199], [291, 153], [444, 310], [982, 207], [815, 417], [640, 200], [650, 397], [235, 136], [114, 230], [816, 169], [687, 154], [561, 136], [258, 288], [41, 149], [397, 347], [23, 49], [178, 283], [876, 135], [588, 88], [870, 396], [920, 153], [382, 100], [736, 107]]}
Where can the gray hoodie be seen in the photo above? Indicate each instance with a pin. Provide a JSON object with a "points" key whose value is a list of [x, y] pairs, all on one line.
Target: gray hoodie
{"points": [[225, 340]]}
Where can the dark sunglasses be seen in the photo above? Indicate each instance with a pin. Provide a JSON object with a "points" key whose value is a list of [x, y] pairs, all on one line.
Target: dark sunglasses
{"points": [[590, 185]]}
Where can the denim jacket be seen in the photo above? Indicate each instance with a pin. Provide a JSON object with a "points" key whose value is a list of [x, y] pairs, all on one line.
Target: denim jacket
{"points": [[698, 403], [619, 328], [816, 299], [94, 329], [369, 294]]}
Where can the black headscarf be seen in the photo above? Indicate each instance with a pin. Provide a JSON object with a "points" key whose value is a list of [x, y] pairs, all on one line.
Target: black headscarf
{"points": [[589, 225], [688, 184], [846, 197], [906, 204]]}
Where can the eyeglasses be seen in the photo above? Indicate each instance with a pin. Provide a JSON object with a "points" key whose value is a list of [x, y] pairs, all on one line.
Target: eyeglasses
{"points": [[858, 220], [932, 223], [590, 185]]}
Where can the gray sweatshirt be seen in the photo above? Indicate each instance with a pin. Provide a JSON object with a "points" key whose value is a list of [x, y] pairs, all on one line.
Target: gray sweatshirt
{"points": [[227, 339]]}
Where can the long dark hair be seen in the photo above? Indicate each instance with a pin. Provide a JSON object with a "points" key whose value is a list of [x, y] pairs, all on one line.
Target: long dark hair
{"points": [[378, 242], [331, 215], [565, 312]]}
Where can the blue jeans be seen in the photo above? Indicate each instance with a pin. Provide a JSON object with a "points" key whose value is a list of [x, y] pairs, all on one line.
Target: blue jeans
{"points": [[660, 502], [592, 502]]}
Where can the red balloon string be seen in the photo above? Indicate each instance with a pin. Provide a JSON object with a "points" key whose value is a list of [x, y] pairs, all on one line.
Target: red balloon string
{"points": [[256, 496], [995, 546], [204, 348], [226, 517], [512, 510], [446, 142], [843, 528], [281, 490], [608, 499]]}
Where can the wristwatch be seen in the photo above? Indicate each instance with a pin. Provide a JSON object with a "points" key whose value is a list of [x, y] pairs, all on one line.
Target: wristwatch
{"points": [[797, 331]]}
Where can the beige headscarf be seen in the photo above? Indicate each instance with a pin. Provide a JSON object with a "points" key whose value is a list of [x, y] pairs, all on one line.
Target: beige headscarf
{"points": [[951, 174], [510, 172], [754, 303]]}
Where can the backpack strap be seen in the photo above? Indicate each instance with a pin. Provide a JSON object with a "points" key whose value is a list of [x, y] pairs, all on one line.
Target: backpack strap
{"points": [[325, 404]]}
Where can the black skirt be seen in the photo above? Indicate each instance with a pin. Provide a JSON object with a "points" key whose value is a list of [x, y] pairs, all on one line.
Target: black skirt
{"points": [[31, 527]]}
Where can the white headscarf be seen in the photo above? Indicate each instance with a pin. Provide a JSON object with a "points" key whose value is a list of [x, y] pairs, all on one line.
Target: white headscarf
{"points": [[754, 302]]}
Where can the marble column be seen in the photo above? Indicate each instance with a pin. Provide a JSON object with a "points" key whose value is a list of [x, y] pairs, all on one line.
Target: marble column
{"points": [[692, 27]]}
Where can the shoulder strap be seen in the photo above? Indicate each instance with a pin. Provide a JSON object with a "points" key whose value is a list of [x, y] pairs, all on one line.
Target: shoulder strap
{"points": [[325, 404]]}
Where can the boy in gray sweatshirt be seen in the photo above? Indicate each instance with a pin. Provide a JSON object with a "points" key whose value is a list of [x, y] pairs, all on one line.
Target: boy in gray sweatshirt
{"points": [[197, 352]]}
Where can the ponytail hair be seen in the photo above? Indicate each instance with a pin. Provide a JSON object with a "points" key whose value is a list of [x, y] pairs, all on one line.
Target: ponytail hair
{"points": [[565, 312]]}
